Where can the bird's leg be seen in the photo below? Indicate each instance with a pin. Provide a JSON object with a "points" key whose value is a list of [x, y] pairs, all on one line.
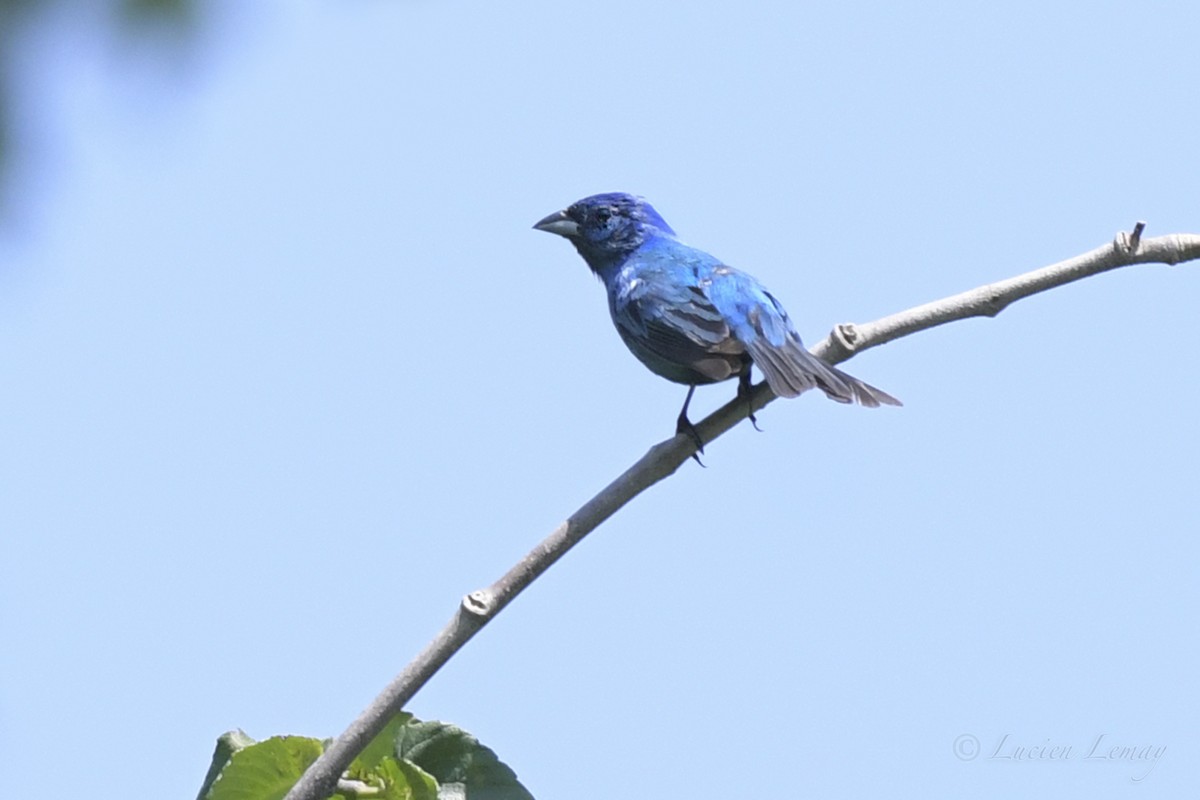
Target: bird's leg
{"points": [[684, 425], [744, 392]]}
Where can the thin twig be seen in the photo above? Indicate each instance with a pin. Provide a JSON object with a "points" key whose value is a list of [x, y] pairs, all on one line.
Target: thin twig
{"points": [[480, 607]]}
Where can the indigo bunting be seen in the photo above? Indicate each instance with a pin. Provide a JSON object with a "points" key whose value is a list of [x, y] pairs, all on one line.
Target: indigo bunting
{"points": [[689, 317]]}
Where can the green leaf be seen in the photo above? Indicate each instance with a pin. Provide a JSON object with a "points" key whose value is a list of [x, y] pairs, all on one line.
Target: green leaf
{"points": [[395, 780], [228, 743], [266, 770], [424, 786], [452, 755], [382, 746]]}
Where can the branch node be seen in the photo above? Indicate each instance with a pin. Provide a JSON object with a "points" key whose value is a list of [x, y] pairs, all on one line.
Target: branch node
{"points": [[844, 340], [357, 788], [478, 603], [993, 302], [1127, 243], [1135, 238]]}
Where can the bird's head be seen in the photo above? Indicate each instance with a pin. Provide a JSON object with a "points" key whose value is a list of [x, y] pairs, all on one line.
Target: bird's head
{"points": [[605, 228]]}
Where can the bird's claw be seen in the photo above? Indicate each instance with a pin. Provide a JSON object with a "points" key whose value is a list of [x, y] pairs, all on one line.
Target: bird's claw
{"points": [[685, 426], [743, 393]]}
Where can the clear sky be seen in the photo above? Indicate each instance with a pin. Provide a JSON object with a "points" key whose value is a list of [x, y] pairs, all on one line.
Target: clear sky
{"points": [[285, 373]]}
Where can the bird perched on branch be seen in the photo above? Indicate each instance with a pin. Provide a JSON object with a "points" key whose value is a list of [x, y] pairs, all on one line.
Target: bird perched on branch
{"points": [[689, 317]]}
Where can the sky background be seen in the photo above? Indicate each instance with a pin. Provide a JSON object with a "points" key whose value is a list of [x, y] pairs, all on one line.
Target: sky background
{"points": [[285, 373]]}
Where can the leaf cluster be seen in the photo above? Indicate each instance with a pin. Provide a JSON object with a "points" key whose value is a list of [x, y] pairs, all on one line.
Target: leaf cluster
{"points": [[408, 760]]}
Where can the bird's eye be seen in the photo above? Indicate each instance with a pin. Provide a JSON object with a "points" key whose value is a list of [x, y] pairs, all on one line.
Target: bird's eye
{"points": [[603, 215]]}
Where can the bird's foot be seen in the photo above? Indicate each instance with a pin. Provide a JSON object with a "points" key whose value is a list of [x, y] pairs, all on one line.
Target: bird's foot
{"points": [[743, 393], [684, 425]]}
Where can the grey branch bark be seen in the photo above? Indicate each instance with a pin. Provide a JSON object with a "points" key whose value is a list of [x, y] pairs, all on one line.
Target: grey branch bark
{"points": [[479, 607]]}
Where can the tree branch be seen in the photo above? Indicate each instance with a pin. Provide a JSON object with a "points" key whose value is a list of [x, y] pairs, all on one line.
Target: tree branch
{"points": [[479, 607]]}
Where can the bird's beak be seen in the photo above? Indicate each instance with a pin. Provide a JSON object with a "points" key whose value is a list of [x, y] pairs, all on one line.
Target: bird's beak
{"points": [[559, 223]]}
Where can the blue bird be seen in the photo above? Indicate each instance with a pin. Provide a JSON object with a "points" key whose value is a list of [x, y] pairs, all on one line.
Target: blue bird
{"points": [[689, 317]]}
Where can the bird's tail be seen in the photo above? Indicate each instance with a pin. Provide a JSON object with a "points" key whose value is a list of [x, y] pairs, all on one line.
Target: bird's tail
{"points": [[790, 370]]}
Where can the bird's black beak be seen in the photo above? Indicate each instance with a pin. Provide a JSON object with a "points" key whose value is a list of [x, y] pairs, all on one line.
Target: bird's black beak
{"points": [[559, 223]]}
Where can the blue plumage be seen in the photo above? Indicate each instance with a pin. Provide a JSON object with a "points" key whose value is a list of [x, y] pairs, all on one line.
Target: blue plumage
{"points": [[686, 315]]}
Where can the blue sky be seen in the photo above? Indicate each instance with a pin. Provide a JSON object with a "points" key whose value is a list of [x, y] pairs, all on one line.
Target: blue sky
{"points": [[286, 373]]}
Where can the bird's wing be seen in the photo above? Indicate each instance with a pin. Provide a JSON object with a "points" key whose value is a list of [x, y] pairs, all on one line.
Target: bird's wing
{"points": [[676, 322], [759, 321]]}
